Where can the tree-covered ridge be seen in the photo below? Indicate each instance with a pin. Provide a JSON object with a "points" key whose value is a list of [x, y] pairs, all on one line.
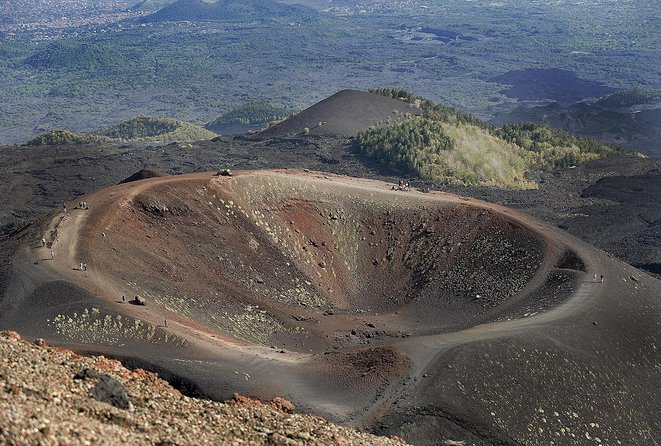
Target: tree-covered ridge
{"points": [[149, 128], [71, 54], [64, 137], [461, 154], [628, 98], [555, 148], [436, 111], [397, 93], [452, 147], [251, 114], [141, 128]]}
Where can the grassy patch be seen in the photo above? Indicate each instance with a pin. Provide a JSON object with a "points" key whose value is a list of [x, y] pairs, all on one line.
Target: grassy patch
{"points": [[93, 327]]}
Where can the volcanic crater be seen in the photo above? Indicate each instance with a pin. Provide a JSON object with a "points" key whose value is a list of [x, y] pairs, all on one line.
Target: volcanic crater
{"points": [[311, 262], [341, 294]]}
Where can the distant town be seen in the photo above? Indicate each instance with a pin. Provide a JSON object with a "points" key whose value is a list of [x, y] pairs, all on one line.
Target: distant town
{"points": [[41, 20]]}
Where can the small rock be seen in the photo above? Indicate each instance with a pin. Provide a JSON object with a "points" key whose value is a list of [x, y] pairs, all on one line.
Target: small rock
{"points": [[107, 390], [111, 391]]}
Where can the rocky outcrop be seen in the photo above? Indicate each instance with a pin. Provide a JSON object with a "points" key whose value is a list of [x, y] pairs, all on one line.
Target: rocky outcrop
{"points": [[55, 396]]}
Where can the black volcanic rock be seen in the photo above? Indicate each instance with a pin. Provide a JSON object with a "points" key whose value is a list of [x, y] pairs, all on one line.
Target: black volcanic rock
{"points": [[143, 174], [107, 389], [344, 114], [552, 84], [635, 130]]}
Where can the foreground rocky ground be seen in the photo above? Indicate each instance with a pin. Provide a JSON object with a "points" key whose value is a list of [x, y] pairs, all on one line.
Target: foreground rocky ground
{"points": [[52, 396]]}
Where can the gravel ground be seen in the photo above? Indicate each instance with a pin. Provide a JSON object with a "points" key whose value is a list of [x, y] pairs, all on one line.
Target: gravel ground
{"points": [[42, 404]]}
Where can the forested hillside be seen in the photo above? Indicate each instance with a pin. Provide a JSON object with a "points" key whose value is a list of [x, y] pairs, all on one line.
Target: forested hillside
{"points": [[449, 146], [253, 113]]}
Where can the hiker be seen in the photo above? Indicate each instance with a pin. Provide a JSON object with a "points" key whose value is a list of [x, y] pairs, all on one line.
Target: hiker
{"points": [[52, 255], [43, 242], [84, 266], [602, 278], [594, 278], [64, 206], [165, 323], [81, 266], [123, 298]]}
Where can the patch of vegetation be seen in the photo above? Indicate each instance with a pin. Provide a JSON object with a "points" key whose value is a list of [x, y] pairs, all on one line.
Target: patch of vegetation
{"points": [[11, 50], [555, 148], [435, 111], [148, 128], [63, 137], [93, 327], [251, 114], [256, 325], [452, 147], [627, 98], [396, 93], [142, 128], [75, 55]]}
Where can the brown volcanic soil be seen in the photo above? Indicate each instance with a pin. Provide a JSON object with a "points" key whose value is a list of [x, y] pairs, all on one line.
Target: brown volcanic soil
{"points": [[353, 300]]}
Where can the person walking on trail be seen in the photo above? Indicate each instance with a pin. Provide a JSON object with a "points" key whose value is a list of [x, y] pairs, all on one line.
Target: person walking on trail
{"points": [[602, 278], [81, 266], [52, 255], [594, 278], [43, 242], [123, 298], [165, 323]]}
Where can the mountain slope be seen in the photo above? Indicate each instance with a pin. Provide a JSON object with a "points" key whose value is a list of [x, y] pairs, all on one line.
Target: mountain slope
{"points": [[344, 114]]}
